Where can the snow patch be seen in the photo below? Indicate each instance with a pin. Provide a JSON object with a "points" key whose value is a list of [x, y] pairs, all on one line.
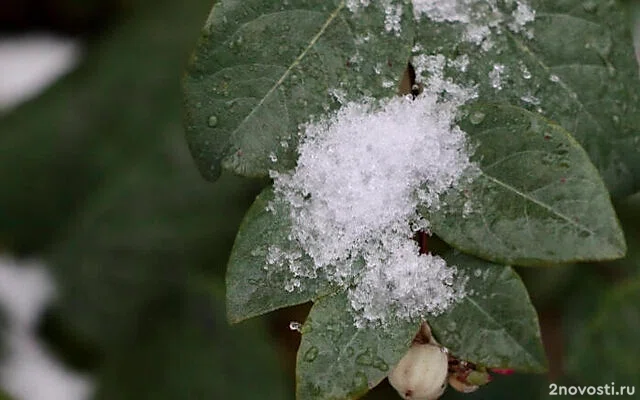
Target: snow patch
{"points": [[361, 175]]}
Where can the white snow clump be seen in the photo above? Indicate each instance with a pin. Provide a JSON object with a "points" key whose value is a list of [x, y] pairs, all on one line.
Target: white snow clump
{"points": [[481, 17], [361, 175]]}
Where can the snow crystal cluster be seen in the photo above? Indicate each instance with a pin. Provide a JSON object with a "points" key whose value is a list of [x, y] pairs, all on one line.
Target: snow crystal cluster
{"points": [[481, 17], [361, 174]]}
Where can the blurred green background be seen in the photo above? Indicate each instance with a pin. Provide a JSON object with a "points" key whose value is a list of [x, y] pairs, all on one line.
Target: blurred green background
{"points": [[96, 179]]}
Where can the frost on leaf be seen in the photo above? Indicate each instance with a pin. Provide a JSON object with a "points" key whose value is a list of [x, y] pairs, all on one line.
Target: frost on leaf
{"points": [[361, 174], [481, 17]]}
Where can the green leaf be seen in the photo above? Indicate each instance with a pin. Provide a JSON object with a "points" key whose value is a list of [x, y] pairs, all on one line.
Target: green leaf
{"points": [[495, 325], [261, 68], [606, 350], [184, 349], [336, 360], [254, 286], [578, 69], [537, 200]]}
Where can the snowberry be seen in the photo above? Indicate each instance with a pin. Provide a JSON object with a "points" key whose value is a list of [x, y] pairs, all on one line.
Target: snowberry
{"points": [[421, 374]]}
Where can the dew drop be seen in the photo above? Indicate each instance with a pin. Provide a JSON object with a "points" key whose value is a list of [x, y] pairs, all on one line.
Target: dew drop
{"points": [[476, 118], [360, 382], [295, 326], [380, 364], [212, 121], [528, 98], [311, 354], [554, 78], [616, 120], [602, 44], [365, 358], [548, 159], [590, 6]]}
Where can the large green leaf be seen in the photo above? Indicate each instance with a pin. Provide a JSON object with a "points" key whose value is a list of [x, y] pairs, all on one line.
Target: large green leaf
{"points": [[261, 68], [495, 325], [336, 360], [537, 198], [578, 69], [606, 350], [184, 349], [254, 286]]}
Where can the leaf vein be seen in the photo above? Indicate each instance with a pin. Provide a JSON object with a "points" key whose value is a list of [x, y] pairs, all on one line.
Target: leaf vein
{"points": [[538, 203], [297, 61]]}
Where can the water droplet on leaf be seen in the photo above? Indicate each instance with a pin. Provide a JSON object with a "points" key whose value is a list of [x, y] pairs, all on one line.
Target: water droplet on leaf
{"points": [[212, 121], [476, 117], [311, 354], [295, 326], [365, 358], [590, 6], [360, 382], [616, 120], [380, 364]]}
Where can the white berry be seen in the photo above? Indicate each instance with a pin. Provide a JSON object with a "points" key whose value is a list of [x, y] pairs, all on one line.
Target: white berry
{"points": [[421, 374]]}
